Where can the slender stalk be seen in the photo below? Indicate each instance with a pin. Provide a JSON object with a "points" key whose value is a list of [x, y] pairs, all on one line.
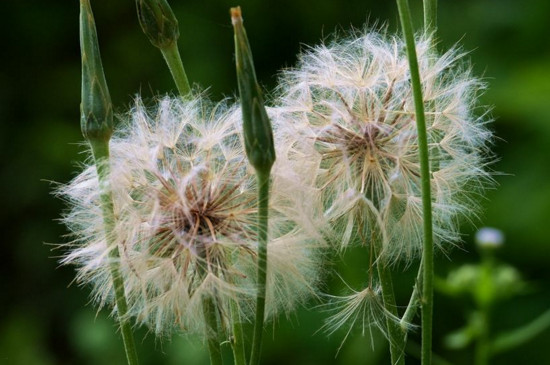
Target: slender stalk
{"points": [[413, 349], [260, 150], [96, 123], [430, 15], [483, 345], [209, 311], [397, 336], [485, 295], [237, 342], [263, 201], [427, 253], [100, 152], [172, 57]]}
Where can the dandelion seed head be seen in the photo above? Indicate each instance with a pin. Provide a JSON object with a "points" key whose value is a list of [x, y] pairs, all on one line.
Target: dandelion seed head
{"points": [[185, 202], [351, 103]]}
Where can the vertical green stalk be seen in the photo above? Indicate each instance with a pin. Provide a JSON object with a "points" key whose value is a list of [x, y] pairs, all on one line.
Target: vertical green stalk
{"points": [[263, 201], [237, 342], [158, 22], [100, 152], [427, 252], [259, 146], [484, 296], [430, 16], [209, 311], [396, 334], [96, 122], [483, 345], [211, 319]]}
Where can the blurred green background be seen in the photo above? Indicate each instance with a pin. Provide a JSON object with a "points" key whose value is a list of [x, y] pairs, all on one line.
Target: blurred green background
{"points": [[45, 320]]}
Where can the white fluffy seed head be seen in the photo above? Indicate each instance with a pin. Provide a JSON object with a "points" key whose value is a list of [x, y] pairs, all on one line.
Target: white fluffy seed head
{"points": [[348, 109], [185, 204]]}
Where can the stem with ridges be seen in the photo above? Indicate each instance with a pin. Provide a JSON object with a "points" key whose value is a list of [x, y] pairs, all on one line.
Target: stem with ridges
{"points": [[263, 201], [172, 57], [427, 253], [100, 151]]}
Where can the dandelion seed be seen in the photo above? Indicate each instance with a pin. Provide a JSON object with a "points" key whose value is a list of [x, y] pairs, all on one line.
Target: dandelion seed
{"points": [[364, 309]]}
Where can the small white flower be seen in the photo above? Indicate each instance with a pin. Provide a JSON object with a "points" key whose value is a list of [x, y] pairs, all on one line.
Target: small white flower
{"points": [[489, 237]]}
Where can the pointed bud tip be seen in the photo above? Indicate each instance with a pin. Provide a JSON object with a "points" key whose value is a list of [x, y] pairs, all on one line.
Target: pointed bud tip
{"points": [[236, 15]]}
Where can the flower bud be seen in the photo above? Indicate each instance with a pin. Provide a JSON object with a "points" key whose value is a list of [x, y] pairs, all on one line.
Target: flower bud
{"points": [[158, 22], [96, 108], [258, 136]]}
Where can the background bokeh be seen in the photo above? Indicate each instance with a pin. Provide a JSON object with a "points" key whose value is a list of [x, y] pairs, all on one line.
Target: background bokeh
{"points": [[45, 320]]}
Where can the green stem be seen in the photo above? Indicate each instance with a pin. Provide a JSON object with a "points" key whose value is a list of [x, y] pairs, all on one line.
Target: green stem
{"points": [[485, 294], [172, 57], [519, 336], [263, 201], [413, 349], [237, 342], [430, 15], [397, 336], [482, 346], [427, 253], [100, 151], [210, 317], [414, 301]]}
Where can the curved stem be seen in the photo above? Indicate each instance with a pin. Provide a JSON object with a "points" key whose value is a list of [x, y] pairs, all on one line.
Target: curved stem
{"points": [[100, 151], [263, 200], [427, 253], [172, 57]]}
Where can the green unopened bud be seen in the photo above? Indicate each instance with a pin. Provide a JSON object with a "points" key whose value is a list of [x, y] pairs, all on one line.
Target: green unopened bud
{"points": [[96, 108], [158, 22], [258, 136]]}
